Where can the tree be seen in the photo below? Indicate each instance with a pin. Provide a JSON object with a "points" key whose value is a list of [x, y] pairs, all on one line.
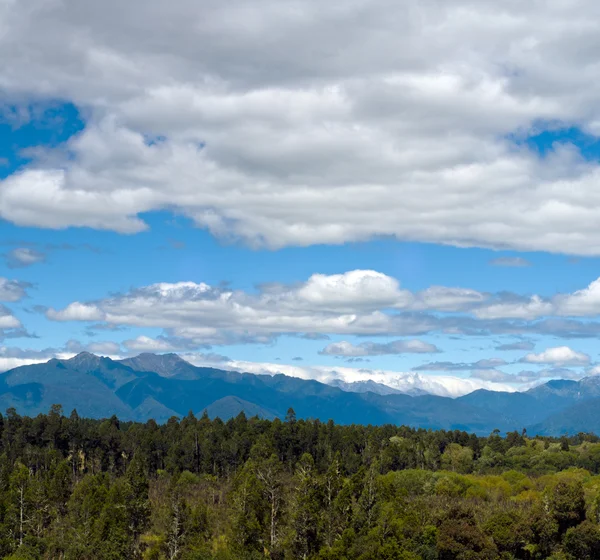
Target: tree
{"points": [[567, 504], [457, 458], [20, 504], [583, 541], [136, 499], [460, 538], [269, 473], [307, 508]]}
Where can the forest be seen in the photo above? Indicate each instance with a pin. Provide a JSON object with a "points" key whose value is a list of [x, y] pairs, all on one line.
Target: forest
{"points": [[249, 488]]}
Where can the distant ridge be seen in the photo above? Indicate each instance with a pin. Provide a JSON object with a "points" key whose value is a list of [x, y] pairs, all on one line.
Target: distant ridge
{"points": [[161, 386]]}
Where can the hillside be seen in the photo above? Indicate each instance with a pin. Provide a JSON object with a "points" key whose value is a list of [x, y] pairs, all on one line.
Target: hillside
{"points": [[160, 386]]}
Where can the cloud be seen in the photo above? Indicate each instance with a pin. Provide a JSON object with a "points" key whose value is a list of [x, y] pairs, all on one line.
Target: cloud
{"points": [[358, 302], [312, 125], [349, 303], [530, 309], [441, 298], [76, 311], [161, 343], [8, 320], [13, 290], [526, 378], [353, 290], [22, 257], [558, 356], [583, 302], [348, 349], [12, 357], [452, 366], [519, 345], [106, 348], [494, 376], [515, 262]]}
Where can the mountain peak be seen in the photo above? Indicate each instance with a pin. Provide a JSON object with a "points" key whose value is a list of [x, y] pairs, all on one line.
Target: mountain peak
{"points": [[83, 360], [166, 365]]}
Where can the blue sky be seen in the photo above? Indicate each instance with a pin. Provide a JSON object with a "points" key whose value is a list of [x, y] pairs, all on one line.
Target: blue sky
{"points": [[409, 211]]}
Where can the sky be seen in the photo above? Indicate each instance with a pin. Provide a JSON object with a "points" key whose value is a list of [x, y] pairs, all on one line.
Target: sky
{"points": [[406, 192]]}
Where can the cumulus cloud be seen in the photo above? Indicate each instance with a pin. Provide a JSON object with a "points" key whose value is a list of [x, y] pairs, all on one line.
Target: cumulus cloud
{"points": [[76, 311], [558, 356], [22, 257], [514, 262], [530, 309], [318, 124], [348, 349], [349, 303], [358, 302], [8, 320], [585, 302]]}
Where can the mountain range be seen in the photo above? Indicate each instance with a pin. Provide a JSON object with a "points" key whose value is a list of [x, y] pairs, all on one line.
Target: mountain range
{"points": [[160, 386]]}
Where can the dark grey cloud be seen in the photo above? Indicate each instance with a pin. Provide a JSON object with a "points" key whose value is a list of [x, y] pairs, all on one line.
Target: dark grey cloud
{"points": [[314, 336], [487, 364], [524, 345], [516, 262], [526, 376], [379, 349], [6, 334]]}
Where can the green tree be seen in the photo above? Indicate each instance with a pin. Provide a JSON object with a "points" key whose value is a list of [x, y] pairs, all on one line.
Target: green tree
{"points": [[457, 458], [583, 541], [567, 504]]}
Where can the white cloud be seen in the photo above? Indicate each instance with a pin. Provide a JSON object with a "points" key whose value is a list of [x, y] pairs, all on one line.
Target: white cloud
{"points": [[10, 363], [441, 298], [13, 290], [358, 302], [147, 344], [12, 357], [558, 356], [76, 311], [528, 310], [318, 124], [104, 348], [345, 348], [582, 302], [349, 303], [355, 289], [24, 256], [8, 320]]}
